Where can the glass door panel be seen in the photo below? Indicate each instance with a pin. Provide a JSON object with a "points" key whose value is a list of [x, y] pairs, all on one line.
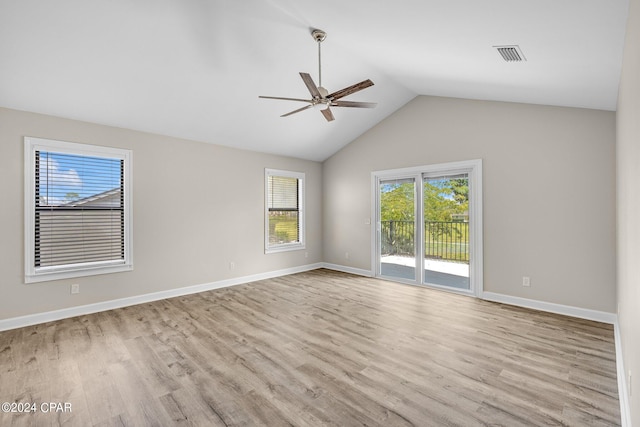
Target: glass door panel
{"points": [[397, 234], [446, 230]]}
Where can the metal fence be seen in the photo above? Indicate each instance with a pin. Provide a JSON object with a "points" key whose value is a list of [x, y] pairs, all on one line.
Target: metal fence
{"points": [[442, 240]]}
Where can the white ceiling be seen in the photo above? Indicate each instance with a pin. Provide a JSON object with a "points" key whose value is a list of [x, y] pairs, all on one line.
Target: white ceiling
{"points": [[194, 68]]}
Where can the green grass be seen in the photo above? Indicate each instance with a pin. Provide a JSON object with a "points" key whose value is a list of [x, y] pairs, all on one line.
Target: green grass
{"points": [[283, 227]]}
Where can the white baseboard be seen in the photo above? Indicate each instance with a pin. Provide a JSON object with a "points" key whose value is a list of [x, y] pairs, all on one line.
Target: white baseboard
{"points": [[623, 390], [345, 269], [33, 319], [567, 310]]}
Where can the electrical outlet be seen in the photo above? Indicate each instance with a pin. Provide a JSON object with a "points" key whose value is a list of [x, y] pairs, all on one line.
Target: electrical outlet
{"points": [[75, 288], [526, 281], [306, 254], [232, 265], [346, 255]]}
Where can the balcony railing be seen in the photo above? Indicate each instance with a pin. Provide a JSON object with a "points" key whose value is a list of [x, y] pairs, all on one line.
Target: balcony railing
{"points": [[442, 240]]}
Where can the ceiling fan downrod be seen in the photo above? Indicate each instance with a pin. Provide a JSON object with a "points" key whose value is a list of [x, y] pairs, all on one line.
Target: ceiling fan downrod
{"points": [[319, 36]]}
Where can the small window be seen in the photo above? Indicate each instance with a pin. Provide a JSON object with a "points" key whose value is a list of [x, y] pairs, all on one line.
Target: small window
{"points": [[284, 216], [77, 207]]}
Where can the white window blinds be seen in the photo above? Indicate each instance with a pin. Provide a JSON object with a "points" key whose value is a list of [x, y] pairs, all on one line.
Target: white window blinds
{"points": [[284, 213], [79, 214]]}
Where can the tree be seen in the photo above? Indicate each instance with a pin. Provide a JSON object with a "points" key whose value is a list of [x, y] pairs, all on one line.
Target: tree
{"points": [[444, 198], [460, 188], [396, 202]]}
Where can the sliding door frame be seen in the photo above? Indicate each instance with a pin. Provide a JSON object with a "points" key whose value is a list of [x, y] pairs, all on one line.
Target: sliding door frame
{"points": [[474, 170]]}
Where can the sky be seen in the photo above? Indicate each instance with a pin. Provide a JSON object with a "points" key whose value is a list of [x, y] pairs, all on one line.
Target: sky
{"points": [[67, 177]]}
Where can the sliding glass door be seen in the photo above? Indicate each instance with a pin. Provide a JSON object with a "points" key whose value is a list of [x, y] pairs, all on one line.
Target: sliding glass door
{"points": [[428, 226]]}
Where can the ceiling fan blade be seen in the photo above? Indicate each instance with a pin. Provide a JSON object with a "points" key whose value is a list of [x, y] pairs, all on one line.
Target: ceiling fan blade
{"points": [[313, 89], [285, 99], [327, 114], [354, 104], [297, 111], [351, 89]]}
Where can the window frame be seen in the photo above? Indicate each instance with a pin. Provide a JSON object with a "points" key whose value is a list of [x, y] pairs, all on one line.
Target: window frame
{"points": [[293, 246], [35, 274]]}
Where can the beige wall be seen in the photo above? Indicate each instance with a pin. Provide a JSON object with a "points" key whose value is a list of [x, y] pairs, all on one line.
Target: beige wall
{"points": [[628, 185], [549, 191], [196, 207]]}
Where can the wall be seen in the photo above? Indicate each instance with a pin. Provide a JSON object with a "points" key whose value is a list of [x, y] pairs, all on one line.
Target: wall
{"points": [[628, 185], [549, 191], [196, 208]]}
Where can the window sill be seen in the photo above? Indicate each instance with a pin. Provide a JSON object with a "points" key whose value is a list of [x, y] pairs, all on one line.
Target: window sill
{"points": [[68, 274], [284, 248]]}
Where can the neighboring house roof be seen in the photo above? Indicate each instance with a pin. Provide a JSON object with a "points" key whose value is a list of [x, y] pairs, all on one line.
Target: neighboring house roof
{"points": [[106, 198]]}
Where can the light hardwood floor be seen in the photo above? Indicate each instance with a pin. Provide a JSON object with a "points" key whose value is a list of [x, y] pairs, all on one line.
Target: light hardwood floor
{"points": [[315, 348]]}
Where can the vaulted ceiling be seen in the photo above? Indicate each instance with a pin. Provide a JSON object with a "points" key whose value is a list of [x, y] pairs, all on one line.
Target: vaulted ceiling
{"points": [[194, 68]]}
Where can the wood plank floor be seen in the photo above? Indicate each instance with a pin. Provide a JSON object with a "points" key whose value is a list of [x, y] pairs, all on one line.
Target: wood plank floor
{"points": [[310, 349]]}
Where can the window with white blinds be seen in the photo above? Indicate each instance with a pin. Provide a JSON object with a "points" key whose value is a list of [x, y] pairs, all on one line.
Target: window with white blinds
{"points": [[284, 215], [78, 208]]}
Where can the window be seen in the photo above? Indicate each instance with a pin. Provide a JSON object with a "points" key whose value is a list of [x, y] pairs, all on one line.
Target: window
{"points": [[284, 216], [78, 210]]}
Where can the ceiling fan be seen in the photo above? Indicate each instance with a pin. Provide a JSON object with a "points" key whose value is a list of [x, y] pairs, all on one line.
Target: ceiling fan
{"points": [[320, 97]]}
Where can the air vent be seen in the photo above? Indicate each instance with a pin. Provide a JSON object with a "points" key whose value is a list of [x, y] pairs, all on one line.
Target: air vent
{"points": [[511, 53]]}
